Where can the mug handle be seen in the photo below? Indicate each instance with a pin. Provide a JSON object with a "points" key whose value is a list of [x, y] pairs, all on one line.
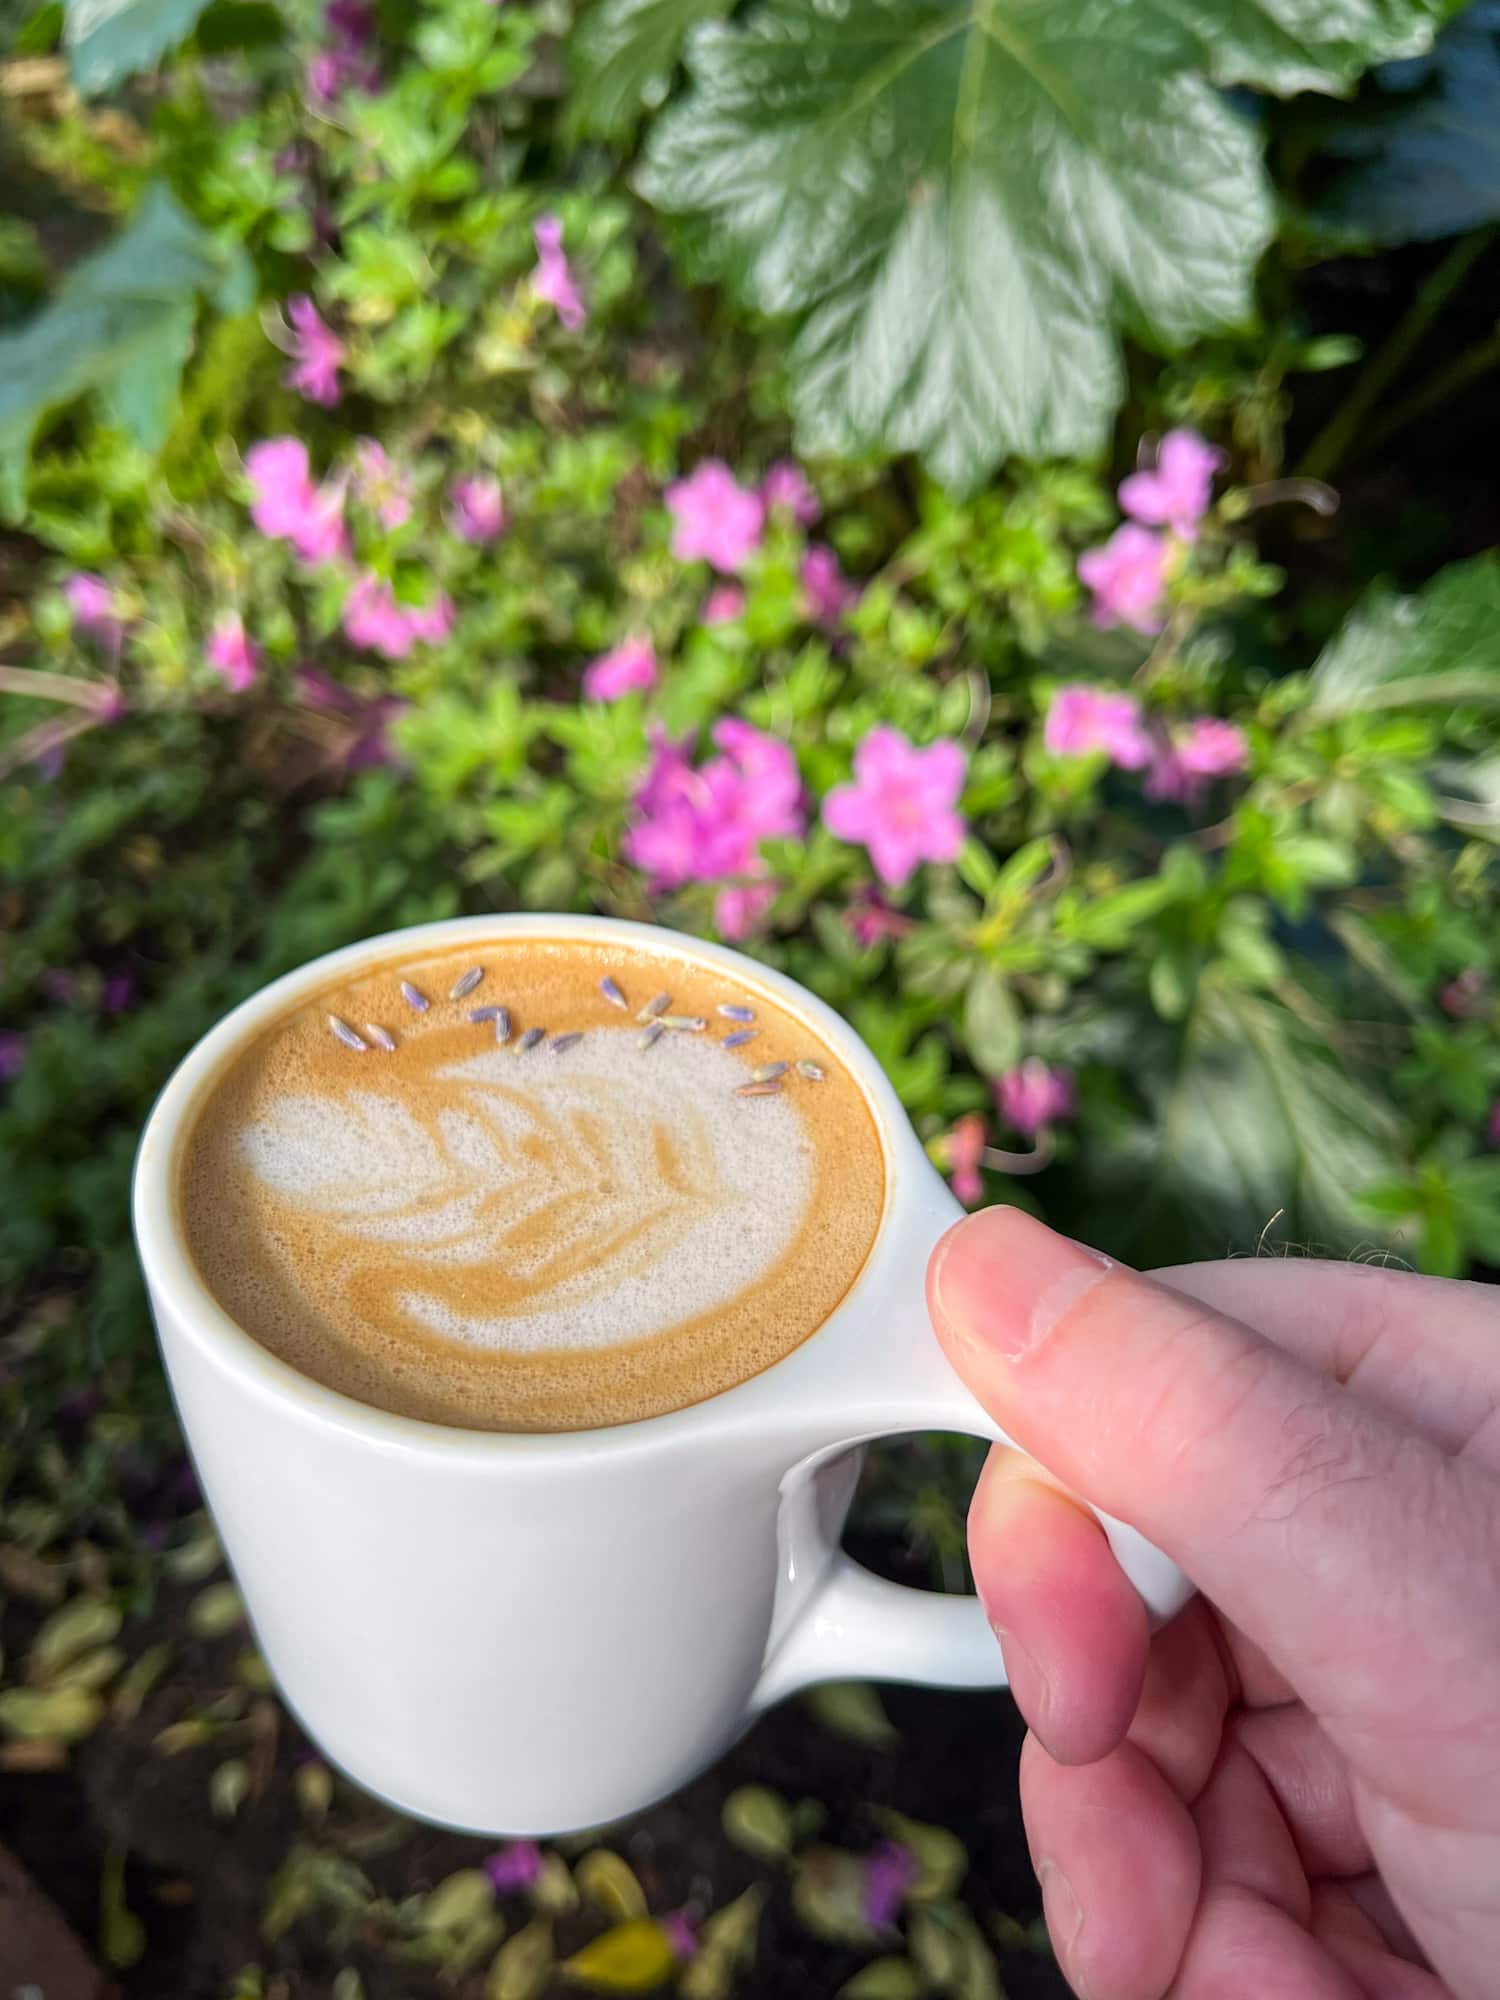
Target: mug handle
{"points": [[849, 1624]]}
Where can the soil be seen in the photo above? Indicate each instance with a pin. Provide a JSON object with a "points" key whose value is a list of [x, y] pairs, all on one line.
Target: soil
{"points": [[199, 1883]]}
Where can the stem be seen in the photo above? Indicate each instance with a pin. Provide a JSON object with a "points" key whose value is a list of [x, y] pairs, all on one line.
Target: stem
{"points": [[1332, 443], [1465, 368], [45, 686]]}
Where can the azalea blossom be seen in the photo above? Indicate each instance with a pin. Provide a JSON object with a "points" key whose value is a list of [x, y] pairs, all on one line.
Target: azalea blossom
{"points": [[287, 506], [705, 823], [367, 740], [316, 353], [372, 618], [514, 1866], [723, 604], [869, 918], [92, 604], [715, 518], [476, 511], [553, 278], [889, 1873], [1127, 575], [901, 805], [1184, 765], [627, 668], [1033, 1096], [232, 655], [1179, 491], [786, 486], [12, 1055], [381, 484], [828, 591], [965, 1151], [1083, 721]]}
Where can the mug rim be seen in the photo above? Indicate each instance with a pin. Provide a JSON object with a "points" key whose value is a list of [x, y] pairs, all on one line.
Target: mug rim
{"points": [[169, 1269]]}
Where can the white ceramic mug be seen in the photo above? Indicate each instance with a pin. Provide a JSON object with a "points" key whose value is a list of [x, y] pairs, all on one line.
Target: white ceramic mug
{"points": [[530, 1634]]}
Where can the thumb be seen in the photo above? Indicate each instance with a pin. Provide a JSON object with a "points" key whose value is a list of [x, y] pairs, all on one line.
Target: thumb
{"points": [[1347, 1546]]}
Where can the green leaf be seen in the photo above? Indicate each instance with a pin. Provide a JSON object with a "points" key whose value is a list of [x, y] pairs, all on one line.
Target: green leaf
{"points": [[992, 1023], [883, 1979], [61, 1714], [610, 1884], [77, 1628], [963, 203], [1424, 153], [110, 39], [1291, 45], [634, 1957], [623, 55], [758, 1820], [522, 1965], [1437, 648], [853, 1709], [940, 1854], [122, 1935], [119, 324]]}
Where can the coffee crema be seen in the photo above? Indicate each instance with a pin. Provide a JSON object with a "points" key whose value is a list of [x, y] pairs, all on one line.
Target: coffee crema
{"points": [[588, 1185]]}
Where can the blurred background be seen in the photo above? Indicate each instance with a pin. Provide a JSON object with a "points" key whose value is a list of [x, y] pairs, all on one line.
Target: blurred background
{"points": [[1000, 527]]}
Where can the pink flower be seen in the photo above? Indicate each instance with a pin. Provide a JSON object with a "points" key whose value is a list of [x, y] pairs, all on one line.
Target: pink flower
{"points": [[117, 995], [828, 591], [1207, 749], [681, 1934], [232, 655], [514, 1866], [92, 604], [12, 1056], [382, 486], [739, 909], [367, 740], [553, 279], [287, 506], [706, 823], [965, 1150], [476, 511], [1031, 1097], [869, 918], [625, 669], [1127, 576], [902, 804], [316, 352], [431, 623], [889, 1873], [723, 604], [1083, 720], [351, 28], [373, 618], [715, 517], [1179, 492], [786, 485], [1458, 996]]}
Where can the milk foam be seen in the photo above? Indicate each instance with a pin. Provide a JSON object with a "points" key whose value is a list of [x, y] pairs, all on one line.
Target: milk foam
{"points": [[613, 1192]]}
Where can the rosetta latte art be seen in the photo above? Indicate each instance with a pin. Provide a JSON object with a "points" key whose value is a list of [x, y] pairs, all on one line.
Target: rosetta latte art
{"points": [[540, 1203]]}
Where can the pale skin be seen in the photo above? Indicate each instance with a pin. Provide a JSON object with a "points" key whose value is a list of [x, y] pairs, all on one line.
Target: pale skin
{"points": [[1292, 1791]]}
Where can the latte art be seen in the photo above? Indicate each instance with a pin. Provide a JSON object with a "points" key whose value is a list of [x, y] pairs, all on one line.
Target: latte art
{"points": [[555, 1204], [538, 1186]]}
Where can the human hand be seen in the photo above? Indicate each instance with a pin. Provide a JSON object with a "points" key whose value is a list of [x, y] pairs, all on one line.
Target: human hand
{"points": [[1292, 1791]]}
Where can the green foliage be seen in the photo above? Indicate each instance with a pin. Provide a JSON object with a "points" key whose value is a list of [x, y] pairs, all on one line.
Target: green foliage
{"points": [[111, 39], [1421, 156], [120, 326], [624, 54], [962, 205]]}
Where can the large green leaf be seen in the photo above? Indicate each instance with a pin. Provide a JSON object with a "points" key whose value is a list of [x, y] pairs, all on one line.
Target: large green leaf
{"points": [[965, 201], [1261, 1121], [111, 39], [120, 324], [1440, 647], [623, 55], [1426, 149]]}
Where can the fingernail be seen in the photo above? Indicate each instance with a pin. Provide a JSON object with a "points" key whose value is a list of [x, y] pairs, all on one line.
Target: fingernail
{"points": [[1064, 1914], [1003, 1280]]}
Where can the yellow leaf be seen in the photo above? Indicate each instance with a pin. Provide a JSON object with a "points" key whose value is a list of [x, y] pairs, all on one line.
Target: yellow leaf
{"points": [[78, 1628], [520, 1968], [64, 1714], [632, 1958], [603, 1878], [757, 1819]]}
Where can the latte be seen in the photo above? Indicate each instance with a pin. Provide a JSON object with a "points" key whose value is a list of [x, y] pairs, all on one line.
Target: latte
{"points": [[533, 1185]]}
